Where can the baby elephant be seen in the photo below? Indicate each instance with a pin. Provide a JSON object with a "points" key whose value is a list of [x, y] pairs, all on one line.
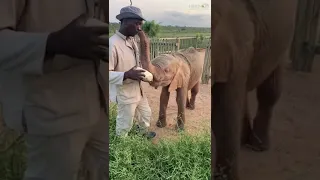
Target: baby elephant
{"points": [[180, 71]]}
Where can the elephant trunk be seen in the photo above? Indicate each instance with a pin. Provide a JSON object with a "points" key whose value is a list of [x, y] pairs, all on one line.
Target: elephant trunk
{"points": [[145, 54]]}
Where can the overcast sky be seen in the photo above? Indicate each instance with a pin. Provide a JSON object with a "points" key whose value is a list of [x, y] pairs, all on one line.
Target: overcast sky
{"points": [[196, 13]]}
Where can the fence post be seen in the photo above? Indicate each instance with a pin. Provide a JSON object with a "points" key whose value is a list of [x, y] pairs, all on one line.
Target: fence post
{"points": [[177, 44], [157, 48], [197, 41], [206, 74]]}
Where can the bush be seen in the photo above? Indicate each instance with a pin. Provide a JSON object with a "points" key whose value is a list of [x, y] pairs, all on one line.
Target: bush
{"points": [[151, 28]]}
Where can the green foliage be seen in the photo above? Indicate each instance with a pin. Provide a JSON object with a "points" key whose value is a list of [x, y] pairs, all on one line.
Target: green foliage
{"points": [[200, 40], [12, 155], [171, 31], [151, 28], [135, 158], [199, 37], [131, 158]]}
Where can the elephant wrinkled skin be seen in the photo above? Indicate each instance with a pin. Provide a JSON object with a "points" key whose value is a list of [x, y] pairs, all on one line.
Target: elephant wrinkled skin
{"points": [[180, 71], [250, 42]]}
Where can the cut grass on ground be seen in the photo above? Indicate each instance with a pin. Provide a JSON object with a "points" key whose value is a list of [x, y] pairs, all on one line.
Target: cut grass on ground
{"points": [[136, 158]]}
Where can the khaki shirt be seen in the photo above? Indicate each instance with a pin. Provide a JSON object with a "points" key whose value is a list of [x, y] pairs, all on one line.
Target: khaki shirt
{"points": [[122, 57], [55, 97]]}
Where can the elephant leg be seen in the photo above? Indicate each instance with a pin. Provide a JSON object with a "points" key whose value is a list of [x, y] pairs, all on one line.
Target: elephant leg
{"points": [[194, 91], [227, 112], [246, 125], [187, 100], [164, 99], [268, 94], [180, 99]]}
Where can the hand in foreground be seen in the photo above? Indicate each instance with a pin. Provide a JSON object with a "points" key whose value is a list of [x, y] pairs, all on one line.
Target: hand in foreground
{"points": [[134, 74], [78, 41]]}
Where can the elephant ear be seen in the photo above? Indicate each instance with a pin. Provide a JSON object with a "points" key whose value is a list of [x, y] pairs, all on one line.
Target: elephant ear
{"points": [[179, 79]]}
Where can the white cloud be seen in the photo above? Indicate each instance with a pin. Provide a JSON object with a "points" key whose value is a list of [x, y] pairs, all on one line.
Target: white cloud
{"points": [[168, 12]]}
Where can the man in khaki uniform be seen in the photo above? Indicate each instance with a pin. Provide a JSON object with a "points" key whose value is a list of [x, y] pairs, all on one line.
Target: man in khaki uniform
{"points": [[50, 87], [124, 80]]}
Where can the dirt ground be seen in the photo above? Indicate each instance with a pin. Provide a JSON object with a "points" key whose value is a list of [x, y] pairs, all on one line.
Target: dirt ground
{"points": [[196, 120], [295, 150]]}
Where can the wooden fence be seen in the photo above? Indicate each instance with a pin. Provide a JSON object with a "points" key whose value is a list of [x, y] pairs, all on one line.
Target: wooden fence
{"points": [[167, 45]]}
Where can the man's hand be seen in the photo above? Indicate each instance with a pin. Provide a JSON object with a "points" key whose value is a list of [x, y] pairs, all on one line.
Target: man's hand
{"points": [[135, 74], [78, 41]]}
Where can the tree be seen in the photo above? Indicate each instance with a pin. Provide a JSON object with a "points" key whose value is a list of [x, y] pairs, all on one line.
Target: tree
{"points": [[151, 28], [199, 39]]}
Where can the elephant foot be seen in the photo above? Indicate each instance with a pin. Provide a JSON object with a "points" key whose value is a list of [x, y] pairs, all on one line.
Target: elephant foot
{"points": [[192, 103], [222, 174], [256, 144], [220, 177], [187, 102], [245, 135], [161, 123], [245, 139], [190, 107], [180, 126]]}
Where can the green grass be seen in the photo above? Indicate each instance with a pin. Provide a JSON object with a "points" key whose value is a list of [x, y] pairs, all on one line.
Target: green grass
{"points": [[131, 158], [12, 156], [136, 158]]}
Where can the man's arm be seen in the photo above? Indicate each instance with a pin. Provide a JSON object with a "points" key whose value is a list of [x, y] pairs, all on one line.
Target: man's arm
{"points": [[115, 77], [20, 52]]}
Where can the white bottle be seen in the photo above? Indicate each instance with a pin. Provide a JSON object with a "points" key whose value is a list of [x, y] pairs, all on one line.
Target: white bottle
{"points": [[148, 77]]}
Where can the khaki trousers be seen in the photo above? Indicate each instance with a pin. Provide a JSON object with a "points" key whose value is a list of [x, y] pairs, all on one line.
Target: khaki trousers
{"points": [[127, 113], [58, 157]]}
